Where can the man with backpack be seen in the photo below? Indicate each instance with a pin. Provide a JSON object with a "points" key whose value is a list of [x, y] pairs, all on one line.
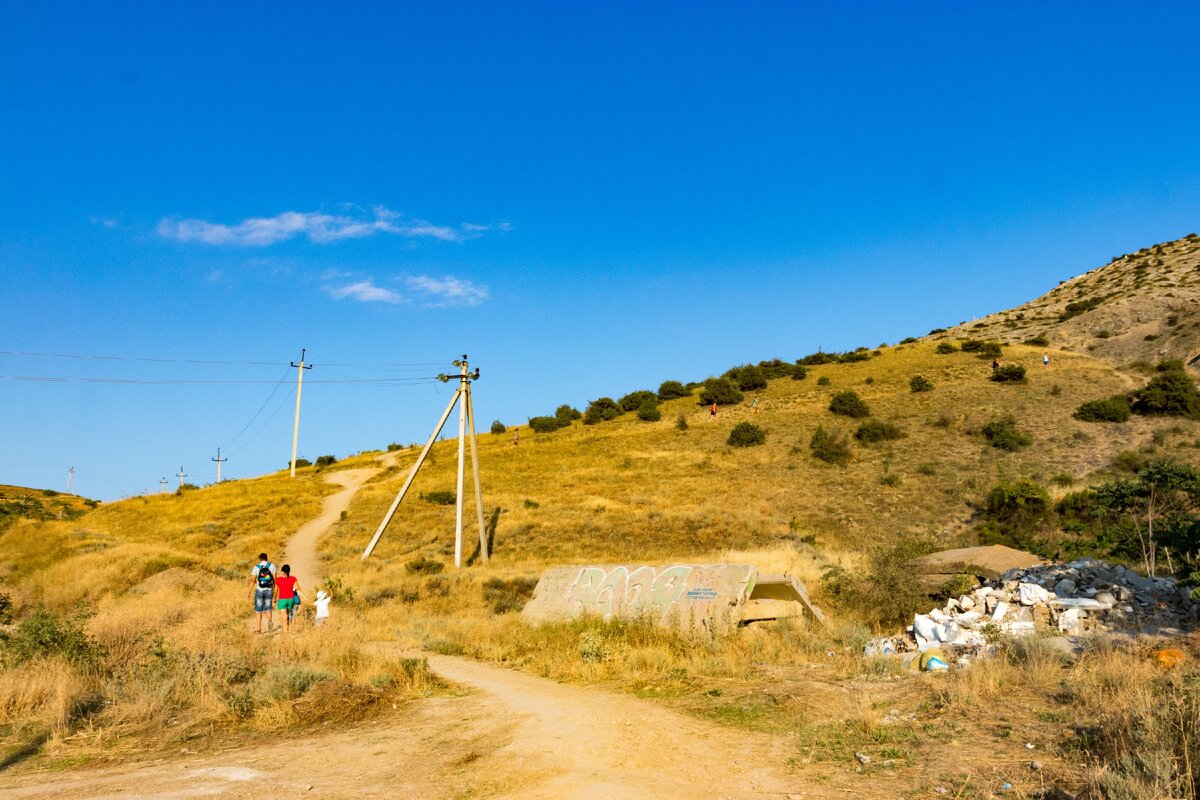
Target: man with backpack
{"points": [[262, 589]]}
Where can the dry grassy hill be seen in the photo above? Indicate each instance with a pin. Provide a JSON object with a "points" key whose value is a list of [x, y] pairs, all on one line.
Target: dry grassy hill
{"points": [[1142, 306], [19, 502], [166, 575]]}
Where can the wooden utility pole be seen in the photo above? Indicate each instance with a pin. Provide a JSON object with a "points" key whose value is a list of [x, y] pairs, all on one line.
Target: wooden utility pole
{"points": [[71, 481], [181, 476], [163, 484], [299, 385], [219, 460], [466, 421]]}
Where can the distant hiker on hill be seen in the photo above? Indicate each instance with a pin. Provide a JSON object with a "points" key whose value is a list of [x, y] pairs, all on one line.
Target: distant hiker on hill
{"points": [[289, 596], [262, 589], [516, 438], [754, 405], [712, 412], [322, 606], [995, 364], [1046, 360]]}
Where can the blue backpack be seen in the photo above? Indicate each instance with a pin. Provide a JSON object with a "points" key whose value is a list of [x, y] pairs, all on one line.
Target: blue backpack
{"points": [[266, 580]]}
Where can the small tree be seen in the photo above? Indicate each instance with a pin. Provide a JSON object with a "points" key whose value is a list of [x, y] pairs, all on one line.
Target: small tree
{"points": [[498, 427], [545, 424], [919, 383], [565, 414], [747, 377], [669, 390], [849, 404], [875, 430], [1172, 393], [601, 410], [633, 400], [649, 412], [721, 391], [1164, 498], [799, 372], [746, 434], [326, 461], [945, 348]]}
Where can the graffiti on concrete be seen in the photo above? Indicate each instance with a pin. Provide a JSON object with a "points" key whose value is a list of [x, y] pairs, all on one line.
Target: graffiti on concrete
{"points": [[623, 592]]}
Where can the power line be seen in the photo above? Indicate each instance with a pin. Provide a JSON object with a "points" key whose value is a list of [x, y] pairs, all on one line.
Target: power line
{"points": [[405, 381], [246, 427], [155, 360]]}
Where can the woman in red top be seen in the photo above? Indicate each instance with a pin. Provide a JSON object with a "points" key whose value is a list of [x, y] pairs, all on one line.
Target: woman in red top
{"points": [[289, 595]]}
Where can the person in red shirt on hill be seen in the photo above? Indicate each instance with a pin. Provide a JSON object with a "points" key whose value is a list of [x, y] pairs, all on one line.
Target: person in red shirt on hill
{"points": [[289, 595]]}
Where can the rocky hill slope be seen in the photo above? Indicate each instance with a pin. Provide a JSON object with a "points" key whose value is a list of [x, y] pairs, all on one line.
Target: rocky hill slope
{"points": [[1142, 306]]}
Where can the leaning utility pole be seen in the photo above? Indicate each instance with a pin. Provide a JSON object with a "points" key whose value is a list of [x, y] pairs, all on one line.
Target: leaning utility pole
{"points": [[466, 421], [163, 483], [299, 385], [219, 460], [71, 481], [181, 476]]}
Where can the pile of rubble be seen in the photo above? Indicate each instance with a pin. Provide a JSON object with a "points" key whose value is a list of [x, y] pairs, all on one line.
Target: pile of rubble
{"points": [[1083, 597]]}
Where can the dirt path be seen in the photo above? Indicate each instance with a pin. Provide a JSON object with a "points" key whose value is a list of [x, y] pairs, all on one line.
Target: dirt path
{"points": [[301, 550], [576, 742]]}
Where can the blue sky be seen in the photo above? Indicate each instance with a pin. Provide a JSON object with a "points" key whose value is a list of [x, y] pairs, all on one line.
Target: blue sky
{"points": [[587, 198]]}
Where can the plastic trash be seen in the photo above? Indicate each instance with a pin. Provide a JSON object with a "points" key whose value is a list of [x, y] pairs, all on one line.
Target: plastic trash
{"points": [[1169, 657], [933, 660]]}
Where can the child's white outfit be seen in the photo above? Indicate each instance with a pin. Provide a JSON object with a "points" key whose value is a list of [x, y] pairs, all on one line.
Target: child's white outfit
{"points": [[322, 606]]}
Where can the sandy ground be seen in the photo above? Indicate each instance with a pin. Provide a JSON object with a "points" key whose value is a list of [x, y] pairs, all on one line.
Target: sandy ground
{"points": [[301, 552]]}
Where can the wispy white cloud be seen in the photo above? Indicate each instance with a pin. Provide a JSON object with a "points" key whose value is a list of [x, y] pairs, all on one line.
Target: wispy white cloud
{"points": [[365, 292], [316, 226], [417, 289], [447, 291], [106, 222]]}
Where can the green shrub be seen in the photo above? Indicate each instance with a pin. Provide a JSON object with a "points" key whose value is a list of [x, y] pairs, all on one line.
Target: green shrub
{"points": [[832, 448], [43, 633], [874, 430], [747, 377], [326, 461], [908, 340], [634, 400], [775, 368], [190, 487], [499, 427], [990, 350], [681, 423], [290, 681], [1003, 434], [1111, 409], [300, 462], [546, 424], [423, 566], [746, 434], [972, 345], [1038, 341], [649, 411], [566, 414], [394, 446], [817, 359], [823, 380], [1009, 373], [504, 596], [531, 503], [1172, 393], [669, 390], [936, 331], [945, 348], [889, 591], [1080, 307], [440, 497], [799, 372], [721, 391], [601, 410], [849, 404], [919, 383]]}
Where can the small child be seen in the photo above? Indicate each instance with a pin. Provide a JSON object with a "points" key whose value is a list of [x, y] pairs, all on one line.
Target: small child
{"points": [[322, 606]]}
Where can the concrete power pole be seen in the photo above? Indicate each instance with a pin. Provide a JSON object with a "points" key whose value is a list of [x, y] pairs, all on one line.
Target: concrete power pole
{"points": [[466, 421], [181, 476], [163, 483], [71, 481], [219, 460], [299, 385]]}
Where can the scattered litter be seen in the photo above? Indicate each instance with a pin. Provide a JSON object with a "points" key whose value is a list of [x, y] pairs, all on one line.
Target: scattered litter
{"points": [[863, 758], [933, 660], [1030, 746], [1169, 657], [1036, 766], [941, 790], [1081, 598]]}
